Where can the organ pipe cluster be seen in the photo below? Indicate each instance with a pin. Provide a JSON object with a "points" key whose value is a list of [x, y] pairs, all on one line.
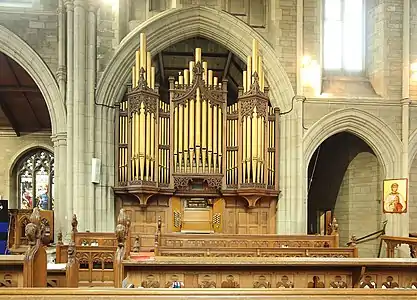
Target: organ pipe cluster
{"points": [[198, 134]]}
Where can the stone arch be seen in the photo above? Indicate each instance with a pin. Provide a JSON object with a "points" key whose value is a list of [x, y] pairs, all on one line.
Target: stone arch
{"points": [[174, 25], [377, 134], [17, 49]]}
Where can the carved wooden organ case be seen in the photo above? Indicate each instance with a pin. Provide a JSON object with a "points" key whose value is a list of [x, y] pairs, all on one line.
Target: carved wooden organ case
{"points": [[197, 146]]}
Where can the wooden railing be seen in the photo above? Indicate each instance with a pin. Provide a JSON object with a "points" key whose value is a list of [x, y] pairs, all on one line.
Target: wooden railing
{"points": [[394, 241]]}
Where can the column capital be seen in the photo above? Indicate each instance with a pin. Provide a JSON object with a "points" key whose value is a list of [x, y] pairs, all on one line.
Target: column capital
{"points": [[69, 5], [80, 3], [406, 101], [93, 6], [59, 138], [61, 73], [300, 98]]}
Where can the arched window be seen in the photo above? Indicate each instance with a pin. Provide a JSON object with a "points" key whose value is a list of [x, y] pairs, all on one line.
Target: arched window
{"points": [[35, 179]]}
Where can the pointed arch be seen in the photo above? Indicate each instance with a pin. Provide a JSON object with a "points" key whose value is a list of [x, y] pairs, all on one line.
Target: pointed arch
{"points": [[378, 135], [17, 49], [175, 25]]}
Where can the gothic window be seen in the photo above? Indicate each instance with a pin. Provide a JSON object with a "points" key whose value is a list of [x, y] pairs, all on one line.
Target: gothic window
{"points": [[35, 179], [343, 40]]}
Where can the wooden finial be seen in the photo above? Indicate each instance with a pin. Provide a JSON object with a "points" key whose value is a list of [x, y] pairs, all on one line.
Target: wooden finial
{"points": [[74, 223], [59, 236], [136, 245], [334, 227]]}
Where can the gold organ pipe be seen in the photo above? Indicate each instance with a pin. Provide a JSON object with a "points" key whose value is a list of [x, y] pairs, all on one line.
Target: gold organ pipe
{"points": [[244, 148], [148, 68], [186, 77], [260, 148], [142, 140], [181, 135], [197, 55], [210, 134], [186, 131], [176, 139], [235, 153], [192, 131], [210, 78], [160, 133], [137, 134], [148, 144], [197, 127], [181, 79], [191, 72], [248, 146], [137, 67], [245, 87], [261, 73], [152, 77], [133, 77], [153, 145], [249, 73], [143, 51], [215, 81], [215, 115], [205, 75], [219, 137], [204, 135], [255, 146], [255, 49]]}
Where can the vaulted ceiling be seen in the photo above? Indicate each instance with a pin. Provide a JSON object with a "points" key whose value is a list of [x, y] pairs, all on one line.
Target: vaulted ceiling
{"points": [[22, 107]]}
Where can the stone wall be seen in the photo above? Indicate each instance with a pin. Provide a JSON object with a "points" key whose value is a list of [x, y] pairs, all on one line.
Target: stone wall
{"points": [[412, 196], [358, 206], [11, 150], [37, 26]]}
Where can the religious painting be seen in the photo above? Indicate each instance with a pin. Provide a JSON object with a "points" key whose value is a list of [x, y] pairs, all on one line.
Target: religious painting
{"points": [[395, 195]]}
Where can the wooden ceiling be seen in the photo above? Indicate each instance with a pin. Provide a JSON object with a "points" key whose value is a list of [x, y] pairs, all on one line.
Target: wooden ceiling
{"points": [[22, 106], [176, 58]]}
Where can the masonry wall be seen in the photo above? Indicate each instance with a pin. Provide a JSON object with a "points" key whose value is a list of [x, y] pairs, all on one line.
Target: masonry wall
{"points": [[358, 206], [11, 150], [412, 196]]}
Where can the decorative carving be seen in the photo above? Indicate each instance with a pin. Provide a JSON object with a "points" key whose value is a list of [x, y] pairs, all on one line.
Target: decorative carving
{"points": [[175, 282], [261, 283], [230, 283], [150, 282], [8, 281], [389, 283], [334, 227], [74, 223], [207, 282], [33, 230], [248, 105], [181, 182], [177, 219], [136, 245], [143, 94], [214, 182], [285, 283], [59, 236], [338, 283], [217, 220], [316, 282], [122, 228], [367, 283]]}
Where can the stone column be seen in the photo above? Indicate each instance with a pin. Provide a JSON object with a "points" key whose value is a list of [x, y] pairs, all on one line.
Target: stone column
{"points": [[292, 202], [91, 84], [60, 158], [79, 195], [62, 70], [69, 5]]}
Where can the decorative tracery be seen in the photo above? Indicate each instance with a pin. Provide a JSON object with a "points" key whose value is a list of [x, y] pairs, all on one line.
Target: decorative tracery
{"points": [[35, 179]]}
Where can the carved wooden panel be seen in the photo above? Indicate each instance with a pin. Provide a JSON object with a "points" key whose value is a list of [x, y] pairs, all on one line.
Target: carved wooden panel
{"points": [[11, 279]]}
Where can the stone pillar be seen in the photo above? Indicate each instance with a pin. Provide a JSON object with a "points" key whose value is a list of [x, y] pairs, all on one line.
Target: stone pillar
{"points": [[292, 202], [62, 70], [91, 84], [60, 158], [69, 5], [79, 125]]}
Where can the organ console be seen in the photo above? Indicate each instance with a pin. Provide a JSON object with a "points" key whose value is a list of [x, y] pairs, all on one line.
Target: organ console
{"points": [[197, 144]]}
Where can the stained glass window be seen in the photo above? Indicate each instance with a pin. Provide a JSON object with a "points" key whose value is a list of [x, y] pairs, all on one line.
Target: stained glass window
{"points": [[35, 178]]}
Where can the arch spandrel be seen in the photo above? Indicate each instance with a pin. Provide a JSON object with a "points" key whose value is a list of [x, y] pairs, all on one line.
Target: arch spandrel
{"points": [[175, 25], [17, 49], [377, 134]]}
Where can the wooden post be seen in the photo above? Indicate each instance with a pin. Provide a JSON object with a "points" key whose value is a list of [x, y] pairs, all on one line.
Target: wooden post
{"points": [[35, 264], [122, 229], [72, 266]]}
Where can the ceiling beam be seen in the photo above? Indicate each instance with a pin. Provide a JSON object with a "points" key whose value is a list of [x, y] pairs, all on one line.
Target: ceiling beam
{"points": [[19, 89], [10, 117], [227, 66], [161, 66], [191, 54], [237, 66]]}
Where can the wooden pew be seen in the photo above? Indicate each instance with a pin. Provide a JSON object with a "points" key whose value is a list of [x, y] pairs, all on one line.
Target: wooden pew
{"points": [[94, 253], [207, 294], [394, 241], [259, 272]]}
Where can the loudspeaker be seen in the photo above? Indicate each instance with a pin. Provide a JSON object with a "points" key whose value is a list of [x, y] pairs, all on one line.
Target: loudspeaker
{"points": [[4, 225], [95, 170]]}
